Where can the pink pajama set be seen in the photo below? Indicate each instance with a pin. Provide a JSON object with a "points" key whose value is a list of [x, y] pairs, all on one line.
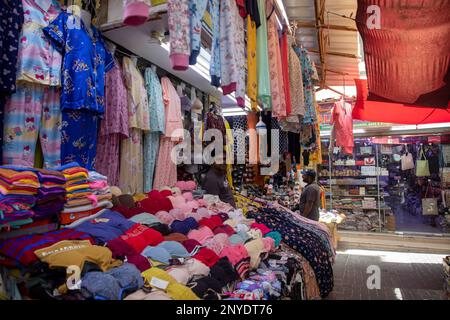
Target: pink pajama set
{"points": [[113, 126], [166, 168]]}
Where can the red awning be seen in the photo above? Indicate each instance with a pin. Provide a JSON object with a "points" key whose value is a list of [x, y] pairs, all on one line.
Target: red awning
{"points": [[377, 111]]}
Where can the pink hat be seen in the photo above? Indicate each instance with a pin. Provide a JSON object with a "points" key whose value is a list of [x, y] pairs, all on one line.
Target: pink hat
{"points": [[269, 244], [181, 185], [194, 215], [261, 227], [177, 201], [193, 204], [203, 212], [135, 13], [164, 217], [186, 209], [177, 214], [202, 203], [190, 185], [188, 196], [218, 243], [201, 235], [235, 253]]}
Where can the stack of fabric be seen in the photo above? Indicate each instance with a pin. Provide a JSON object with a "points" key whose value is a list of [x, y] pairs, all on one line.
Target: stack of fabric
{"points": [[82, 200], [18, 190], [51, 195]]}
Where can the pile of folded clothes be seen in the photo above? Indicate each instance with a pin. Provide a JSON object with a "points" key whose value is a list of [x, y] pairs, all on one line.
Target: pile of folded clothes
{"points": [[87, 193], [51, 195], [170, 244], [18, 191]]}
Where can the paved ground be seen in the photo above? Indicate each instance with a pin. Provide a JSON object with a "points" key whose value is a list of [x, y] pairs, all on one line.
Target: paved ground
{"points": [[403, 276]]}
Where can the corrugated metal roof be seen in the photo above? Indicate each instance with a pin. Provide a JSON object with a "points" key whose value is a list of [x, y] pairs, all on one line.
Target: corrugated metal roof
{"points": [[337, 41]]}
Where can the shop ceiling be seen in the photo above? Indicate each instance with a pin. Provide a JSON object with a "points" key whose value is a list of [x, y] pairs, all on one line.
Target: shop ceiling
{"points": [[331, 39]]}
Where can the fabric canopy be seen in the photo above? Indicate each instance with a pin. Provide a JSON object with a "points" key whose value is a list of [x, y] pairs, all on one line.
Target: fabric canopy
{"points": [[391, 112]]}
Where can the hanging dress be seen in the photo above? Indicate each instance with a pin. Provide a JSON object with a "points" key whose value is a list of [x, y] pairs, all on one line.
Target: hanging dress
{"points": [[166, 168], [262, 58], [157, 123]]}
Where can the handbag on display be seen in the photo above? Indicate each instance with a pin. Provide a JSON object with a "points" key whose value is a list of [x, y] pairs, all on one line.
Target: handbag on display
{"points": [[407, 161], [429, 205], [422, 168], [369, 161]]}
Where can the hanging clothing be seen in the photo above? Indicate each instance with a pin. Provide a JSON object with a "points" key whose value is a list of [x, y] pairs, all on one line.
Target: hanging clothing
{"points": [[232, 50], [252, 75], [79, 137], [343, 125], [113, 126], [276, 75], [108, 156], [11, 21], [157, 127], [166, 168], [197, 11], [32, 112], [172, 111], [85, 63], [309, 76], [38, 61], [295, 82], [155, 101], [179, 29], [131, 179], [251, 6], [262, 58], [138, 113], [215, 67], [151, 148], [285, 71]]}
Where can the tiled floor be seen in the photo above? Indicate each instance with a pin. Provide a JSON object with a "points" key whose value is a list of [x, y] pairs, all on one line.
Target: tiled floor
{"points": [[403, 276]]}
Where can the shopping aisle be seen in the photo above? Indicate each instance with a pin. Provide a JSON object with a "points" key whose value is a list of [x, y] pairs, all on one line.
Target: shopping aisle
{"points": [[404, 276]]}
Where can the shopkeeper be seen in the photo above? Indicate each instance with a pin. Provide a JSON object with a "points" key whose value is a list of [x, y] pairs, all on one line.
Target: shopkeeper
{"points": [[310, 197], [215, 183]]}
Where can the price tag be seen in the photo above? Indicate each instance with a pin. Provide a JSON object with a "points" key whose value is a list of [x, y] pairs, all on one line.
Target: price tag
{"points": [[159, 283]]}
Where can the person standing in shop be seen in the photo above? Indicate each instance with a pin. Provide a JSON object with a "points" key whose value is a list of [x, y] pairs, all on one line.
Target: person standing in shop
{"points": [[310, 197], [215, 183]]}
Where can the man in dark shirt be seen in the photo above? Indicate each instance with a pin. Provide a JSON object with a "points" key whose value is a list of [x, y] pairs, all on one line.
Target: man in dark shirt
{"points": [[310, 197], [216, 183]]}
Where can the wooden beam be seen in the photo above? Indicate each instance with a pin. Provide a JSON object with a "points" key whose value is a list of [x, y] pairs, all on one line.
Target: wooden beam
{"points": [[319, 9], [334, 53], [312, 25]]}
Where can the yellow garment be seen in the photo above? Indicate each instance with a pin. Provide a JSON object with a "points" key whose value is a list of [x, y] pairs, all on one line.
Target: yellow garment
{"points": [[138, 111], [77, 187], [252, 77], [79, 195], [229, 149], [75, 253], [174, 289], [139, 197]]}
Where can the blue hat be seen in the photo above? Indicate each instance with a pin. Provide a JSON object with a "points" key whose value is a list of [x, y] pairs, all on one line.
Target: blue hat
{"points": [[275, 235], [174, 248], [158, 254]]}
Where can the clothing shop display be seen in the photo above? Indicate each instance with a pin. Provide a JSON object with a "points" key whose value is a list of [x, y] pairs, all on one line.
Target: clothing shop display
{"points": [[93, 135]]}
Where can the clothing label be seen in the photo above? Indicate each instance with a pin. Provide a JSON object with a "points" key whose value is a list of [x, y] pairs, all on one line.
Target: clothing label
{"points": [[158, 283], [99, 220]]}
